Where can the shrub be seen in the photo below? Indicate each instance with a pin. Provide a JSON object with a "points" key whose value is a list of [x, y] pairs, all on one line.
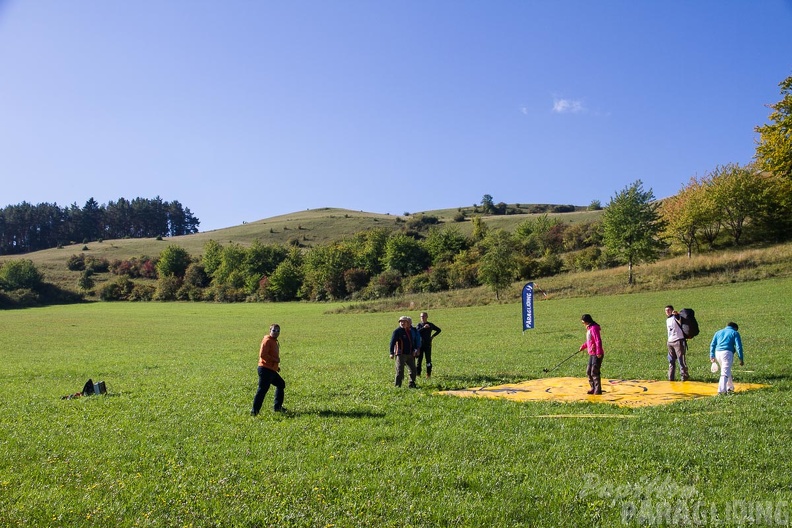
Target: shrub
{"points": [[118, 290], [167, 287], [196, 275], [356, 279], [86, 281], [225, 293], [173, 260], [142, 292], [97, 264], [76, 263], [20, 274], [189, 292]]}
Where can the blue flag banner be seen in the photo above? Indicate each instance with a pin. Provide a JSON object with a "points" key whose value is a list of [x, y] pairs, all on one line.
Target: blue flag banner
{"points": [[527, 306]]}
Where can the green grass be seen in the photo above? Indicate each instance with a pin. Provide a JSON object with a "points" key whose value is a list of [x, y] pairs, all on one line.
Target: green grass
{"points": [[173, 443]]}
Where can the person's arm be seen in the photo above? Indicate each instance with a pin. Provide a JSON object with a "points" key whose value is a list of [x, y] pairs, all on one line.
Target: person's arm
{"points": [[597, 339], [394, 340], [712, 347], [436, 330], [738, 346]]}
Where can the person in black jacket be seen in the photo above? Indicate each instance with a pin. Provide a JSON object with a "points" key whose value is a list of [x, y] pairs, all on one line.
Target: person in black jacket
{"points": [[428, 332], [405, 344]]}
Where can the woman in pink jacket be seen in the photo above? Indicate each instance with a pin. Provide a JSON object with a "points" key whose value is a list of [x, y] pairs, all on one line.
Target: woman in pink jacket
{"points": [[594, 346]]}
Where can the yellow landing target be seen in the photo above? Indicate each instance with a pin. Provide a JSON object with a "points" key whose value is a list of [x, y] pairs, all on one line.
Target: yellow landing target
{"points": [[624, 393]]}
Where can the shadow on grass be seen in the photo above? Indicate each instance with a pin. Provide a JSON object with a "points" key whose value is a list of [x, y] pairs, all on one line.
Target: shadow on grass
{"points": [[464, 382], [329, 413], [350, 414]]}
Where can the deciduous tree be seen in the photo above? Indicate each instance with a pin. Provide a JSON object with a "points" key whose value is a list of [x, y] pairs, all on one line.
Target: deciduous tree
{"points": [[774, 149], [632, 226], [498, 264]]}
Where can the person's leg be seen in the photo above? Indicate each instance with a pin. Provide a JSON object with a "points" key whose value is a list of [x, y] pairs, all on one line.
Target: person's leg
{"points": [[730, 377], [595, 374], [428, 363], [723, 357], [419, 361], [263, 387], [683, 368], [399, 362], [672, 358], [590, 373], [280, 391], [410, 360]]}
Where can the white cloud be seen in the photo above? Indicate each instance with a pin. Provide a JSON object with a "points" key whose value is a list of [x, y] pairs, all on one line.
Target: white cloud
{"points": [[567, 106]]}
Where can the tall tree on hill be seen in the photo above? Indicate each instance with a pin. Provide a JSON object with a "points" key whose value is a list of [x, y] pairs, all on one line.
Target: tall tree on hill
{"points": [[632, 225], [685, 215], [119, 216], [774, 149], [498, 264], [488, 204], [180, 219], [92, 221]]}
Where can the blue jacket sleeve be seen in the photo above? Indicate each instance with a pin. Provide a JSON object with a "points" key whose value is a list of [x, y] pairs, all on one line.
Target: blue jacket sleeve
{"points": [[738, 345]]}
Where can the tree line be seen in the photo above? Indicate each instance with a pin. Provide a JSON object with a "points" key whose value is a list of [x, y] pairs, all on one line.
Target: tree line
{"points": [[424, 256], [25, 227]]}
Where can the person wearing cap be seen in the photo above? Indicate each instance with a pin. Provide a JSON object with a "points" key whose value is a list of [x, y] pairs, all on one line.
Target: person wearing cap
{"points": [[405, 345], [725, 343], [268, 372], [428, 332], [677, 345]]}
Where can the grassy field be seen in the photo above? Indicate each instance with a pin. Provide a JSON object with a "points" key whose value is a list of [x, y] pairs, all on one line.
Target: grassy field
{"points": [[173, 444]]}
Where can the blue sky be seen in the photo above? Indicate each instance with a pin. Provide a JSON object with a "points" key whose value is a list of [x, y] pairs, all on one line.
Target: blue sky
{"points": [[247, 109]]}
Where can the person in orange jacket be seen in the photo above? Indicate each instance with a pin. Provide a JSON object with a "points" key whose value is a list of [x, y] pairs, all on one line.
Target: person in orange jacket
{"points": [[268, 372]]}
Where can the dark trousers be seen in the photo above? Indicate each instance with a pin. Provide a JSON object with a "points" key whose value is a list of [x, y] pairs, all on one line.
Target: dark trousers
{"points": [[425, 352], [401, 361], [269, 377], [593, 373]]}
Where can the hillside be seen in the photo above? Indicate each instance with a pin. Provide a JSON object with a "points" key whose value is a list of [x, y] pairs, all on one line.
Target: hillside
{"points": [[309, 228]]}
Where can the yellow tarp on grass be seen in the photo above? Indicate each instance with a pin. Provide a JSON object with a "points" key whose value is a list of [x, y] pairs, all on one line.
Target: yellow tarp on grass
{"points": [[625, 393]]}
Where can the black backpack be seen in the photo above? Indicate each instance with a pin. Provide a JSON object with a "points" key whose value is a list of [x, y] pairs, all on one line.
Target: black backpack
{"points": [[689, 325]]}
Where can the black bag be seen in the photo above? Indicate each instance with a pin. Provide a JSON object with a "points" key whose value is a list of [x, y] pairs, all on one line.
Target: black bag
{"points": [[689, 325], [90, 388]]}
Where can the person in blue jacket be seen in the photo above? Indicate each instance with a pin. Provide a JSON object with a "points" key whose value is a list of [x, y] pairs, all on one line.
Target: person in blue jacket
{"points": [[726, 343], [405, 345]]}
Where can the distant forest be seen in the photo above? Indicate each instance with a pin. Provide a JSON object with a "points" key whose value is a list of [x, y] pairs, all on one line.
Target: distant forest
{"points": [[25, 227]]}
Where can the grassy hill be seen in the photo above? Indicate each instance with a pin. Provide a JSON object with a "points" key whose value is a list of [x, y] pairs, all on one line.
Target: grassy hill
{"points": [[309, 228], [321, 226]]}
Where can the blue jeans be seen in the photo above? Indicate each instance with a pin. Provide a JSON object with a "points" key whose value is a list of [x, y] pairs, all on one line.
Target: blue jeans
{"points": [[269, 377]]}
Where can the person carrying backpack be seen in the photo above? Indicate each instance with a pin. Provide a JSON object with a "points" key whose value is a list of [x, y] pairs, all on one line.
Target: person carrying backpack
{"points": [[677, 345]]}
